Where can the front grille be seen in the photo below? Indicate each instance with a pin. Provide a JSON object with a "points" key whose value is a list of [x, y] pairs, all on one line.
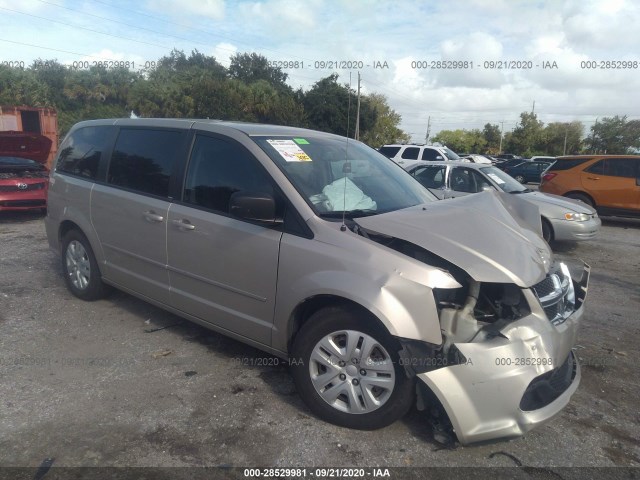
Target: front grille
{"points": [[545, 287], [556, 294], [29, 187], [547, 387]]}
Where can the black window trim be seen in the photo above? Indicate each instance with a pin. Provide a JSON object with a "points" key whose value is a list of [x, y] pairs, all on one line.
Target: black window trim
{"points": [[291, 215], [409, 148], [180, 159], [105, 156]]}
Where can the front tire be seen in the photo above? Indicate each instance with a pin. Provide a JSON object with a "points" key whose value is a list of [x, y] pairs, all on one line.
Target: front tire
{"points": [[80, 268], [346, 369], [519, 178]]}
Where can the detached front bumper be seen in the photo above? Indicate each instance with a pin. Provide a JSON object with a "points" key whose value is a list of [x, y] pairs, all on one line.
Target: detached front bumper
{"points": [[515, 382]]}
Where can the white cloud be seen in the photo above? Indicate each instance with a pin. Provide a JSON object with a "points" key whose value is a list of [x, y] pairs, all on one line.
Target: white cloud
{"points": [[601, 26], [24, 5], [213, 9], [223, 51], [285, 17]]}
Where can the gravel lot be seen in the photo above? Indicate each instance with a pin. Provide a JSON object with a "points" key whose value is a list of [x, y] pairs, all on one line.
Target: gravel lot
{"points": [[119, 382]]}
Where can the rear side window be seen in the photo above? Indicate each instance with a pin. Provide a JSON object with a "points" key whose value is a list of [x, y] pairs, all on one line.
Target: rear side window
{"points": [[614, 167], [411, 153], [219, 168], [81, 151], [431, 154], [389, 152], [143, 160], [567, 164], [430, 177]]}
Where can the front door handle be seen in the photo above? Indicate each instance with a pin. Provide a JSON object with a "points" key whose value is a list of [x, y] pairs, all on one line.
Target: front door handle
{"points": [[593, 178], [153, 216], [184, 224]]}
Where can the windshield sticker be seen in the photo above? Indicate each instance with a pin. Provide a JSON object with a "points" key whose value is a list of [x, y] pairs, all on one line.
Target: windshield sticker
{"points": [[289, 150], [301, 141], [495, 178]]}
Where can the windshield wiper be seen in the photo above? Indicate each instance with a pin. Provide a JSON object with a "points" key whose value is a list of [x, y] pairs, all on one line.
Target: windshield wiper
{"points": [[350, 213]]}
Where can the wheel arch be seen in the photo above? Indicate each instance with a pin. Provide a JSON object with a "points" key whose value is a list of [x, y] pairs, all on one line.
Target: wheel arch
{"points": [[583, 193], [305, 309], [545, 221], [65, 227], [76, 220]]}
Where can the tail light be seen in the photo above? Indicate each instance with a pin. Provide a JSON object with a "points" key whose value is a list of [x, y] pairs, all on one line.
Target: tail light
{"points": [[548, 176]]}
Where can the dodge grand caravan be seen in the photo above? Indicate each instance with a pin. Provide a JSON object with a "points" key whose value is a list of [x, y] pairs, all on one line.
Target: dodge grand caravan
{"points": [[321, 250]]}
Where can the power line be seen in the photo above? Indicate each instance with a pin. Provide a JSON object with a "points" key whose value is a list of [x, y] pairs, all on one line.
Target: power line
{"points": [[137, 12], [124, 23], [85, 28], [52, 49]]}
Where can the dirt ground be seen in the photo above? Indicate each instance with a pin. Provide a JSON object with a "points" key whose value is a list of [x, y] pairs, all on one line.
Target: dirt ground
{"points": [[119, 382]]}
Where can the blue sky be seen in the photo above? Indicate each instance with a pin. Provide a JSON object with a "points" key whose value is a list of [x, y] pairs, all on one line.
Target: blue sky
{"points": [[368, 31]]}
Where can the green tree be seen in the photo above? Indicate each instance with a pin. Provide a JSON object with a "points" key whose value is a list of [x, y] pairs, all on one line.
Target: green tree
{"points": [[463, 141], [491, 134], [326, 108], [554, 136], [252, 67], [526, 136], [615, 135], [385, 127]]}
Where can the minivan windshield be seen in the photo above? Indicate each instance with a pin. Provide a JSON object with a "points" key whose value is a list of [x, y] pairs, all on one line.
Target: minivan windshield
{"points": [[335, 179]]}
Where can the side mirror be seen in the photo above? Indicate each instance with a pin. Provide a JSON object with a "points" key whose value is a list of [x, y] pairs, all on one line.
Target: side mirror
{"points": [[260, 207], [439, 157], [488, 188]]}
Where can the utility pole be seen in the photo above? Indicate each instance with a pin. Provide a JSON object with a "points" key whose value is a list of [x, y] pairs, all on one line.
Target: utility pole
{"points": [[593, 137], [533, 109], [501, 130], [564, 150], [426, 137], [357, 135]]}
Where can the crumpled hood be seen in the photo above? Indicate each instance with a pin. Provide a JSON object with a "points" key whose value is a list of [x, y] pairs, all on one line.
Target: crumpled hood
{"points": [[492, 236], [569, 203]]}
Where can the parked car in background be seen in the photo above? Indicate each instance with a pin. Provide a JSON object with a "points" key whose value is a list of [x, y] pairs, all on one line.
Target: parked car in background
{"points": [[408, 154], [527, 172], [542, 158], [502, 164], [508, 156], [562, 218], [23, 177], [609, 183], [475, 158]]}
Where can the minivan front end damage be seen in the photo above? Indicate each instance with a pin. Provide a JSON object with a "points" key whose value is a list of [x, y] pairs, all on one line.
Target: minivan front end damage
{"points": [[505, 363], [500, 375]]}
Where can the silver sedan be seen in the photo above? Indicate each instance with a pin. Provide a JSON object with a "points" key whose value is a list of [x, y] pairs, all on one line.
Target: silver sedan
{"points": [[562, 218]]}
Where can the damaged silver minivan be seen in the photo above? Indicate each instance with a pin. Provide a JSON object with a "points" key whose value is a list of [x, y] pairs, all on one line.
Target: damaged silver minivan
{"points": [[322, 251]]}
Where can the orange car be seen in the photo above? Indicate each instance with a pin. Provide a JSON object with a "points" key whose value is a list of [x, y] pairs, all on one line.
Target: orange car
{"points": [[609, 183]]}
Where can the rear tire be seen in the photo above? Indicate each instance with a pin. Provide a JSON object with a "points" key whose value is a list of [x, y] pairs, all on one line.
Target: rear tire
{"points": [[581, 197], [346, 370], [519, 178], [80, 268]]}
